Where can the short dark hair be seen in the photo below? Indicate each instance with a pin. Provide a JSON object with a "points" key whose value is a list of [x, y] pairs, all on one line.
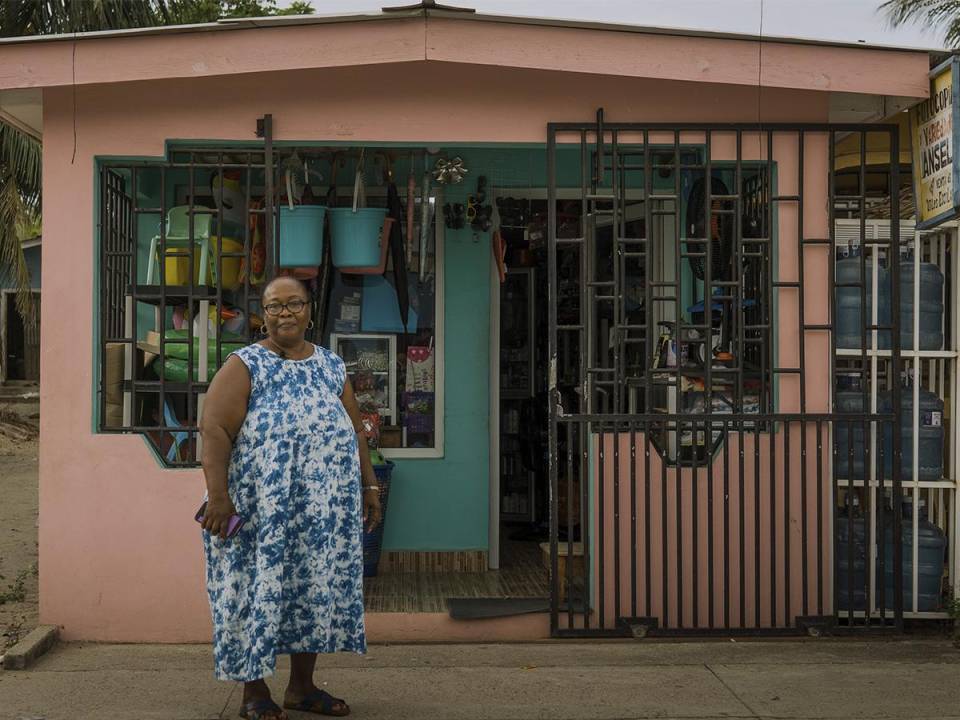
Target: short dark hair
{"points": [[278, 278]]}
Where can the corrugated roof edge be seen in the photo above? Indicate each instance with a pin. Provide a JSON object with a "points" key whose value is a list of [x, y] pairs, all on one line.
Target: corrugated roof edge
{"points": [[282, 20]]}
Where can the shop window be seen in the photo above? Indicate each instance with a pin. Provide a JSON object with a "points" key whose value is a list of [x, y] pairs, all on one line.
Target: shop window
{"points": [[185, 249], [714, 344]]}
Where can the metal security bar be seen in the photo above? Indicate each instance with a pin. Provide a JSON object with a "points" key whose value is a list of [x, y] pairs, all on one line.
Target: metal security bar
{"points": [[182, 244], [706, 457]]}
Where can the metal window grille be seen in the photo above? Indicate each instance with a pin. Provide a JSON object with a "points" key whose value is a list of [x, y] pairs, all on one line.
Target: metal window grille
{"points": [[748, 533], [169, 255]]}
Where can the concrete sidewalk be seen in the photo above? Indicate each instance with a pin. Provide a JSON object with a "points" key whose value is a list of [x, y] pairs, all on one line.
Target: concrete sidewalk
{"points": [[610, 680]]}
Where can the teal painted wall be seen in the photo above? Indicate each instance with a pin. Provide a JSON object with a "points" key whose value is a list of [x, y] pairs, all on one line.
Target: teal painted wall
{"points": [[444, 504]]}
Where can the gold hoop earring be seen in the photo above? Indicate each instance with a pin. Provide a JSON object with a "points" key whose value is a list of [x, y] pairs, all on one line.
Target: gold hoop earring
{"points": [[310, 325], [263, 329]]}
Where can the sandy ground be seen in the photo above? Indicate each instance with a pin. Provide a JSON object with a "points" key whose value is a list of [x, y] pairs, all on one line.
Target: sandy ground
{"points": [[18, 529]]}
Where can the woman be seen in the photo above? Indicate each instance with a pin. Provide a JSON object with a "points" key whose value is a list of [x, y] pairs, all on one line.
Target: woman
{"points": [[280, 449]]}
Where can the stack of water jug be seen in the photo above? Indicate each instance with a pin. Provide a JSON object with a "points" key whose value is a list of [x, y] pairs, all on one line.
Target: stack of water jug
{"points": [[849, 438]]}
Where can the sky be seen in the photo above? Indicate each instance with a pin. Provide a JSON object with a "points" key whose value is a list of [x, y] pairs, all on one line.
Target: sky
{"points": [[831, 20]]}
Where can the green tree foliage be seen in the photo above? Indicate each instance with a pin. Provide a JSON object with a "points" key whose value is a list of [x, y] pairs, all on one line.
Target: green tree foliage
{"points": [[185, 12]]}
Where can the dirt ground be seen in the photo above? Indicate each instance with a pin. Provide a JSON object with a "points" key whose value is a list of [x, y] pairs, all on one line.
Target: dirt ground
{"points": [[18, 522]]}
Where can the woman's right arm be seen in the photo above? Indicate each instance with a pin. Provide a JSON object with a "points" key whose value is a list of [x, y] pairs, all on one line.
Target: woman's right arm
{"points": [[224, 409]]}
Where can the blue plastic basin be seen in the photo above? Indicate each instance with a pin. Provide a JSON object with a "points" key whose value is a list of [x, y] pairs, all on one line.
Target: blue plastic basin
{"points": [[301, 235], [355, 236]]}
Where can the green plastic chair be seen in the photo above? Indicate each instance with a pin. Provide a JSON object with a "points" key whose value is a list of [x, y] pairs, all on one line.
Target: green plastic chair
{"points": [[178, 236]]}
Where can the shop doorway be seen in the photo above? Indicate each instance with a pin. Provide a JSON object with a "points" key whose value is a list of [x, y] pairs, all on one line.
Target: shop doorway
{"points": [[521, 500], [20, 342]]}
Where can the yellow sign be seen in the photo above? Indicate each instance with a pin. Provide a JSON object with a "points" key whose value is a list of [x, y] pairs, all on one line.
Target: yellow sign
{"points": [[933, 124]]}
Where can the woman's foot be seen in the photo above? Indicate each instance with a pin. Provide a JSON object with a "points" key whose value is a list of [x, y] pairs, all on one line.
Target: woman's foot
{"points": [[314, 700], [257, 703]]}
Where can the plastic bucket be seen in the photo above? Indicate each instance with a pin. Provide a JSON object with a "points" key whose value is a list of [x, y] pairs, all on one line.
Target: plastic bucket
{"points": [[355, 236], [301, 235]]}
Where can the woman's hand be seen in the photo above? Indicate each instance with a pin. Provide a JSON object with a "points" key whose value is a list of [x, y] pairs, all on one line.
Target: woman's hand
{"points": [[371, 509], [216, 518]]}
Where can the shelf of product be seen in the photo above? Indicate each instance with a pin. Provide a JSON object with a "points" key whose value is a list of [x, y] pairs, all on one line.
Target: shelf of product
{"points": [[371, 361], [928, 428]]}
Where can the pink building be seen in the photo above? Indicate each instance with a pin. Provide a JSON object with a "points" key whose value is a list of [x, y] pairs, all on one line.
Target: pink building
{"points": [[693, 466]]}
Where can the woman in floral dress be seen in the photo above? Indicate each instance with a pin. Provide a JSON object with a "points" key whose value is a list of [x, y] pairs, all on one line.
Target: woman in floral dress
{"points": [[281, 450]]}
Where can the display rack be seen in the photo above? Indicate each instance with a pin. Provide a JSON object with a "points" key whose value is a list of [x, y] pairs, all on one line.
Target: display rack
{"points": [[517, 368], [353, 347], [930, 370]]}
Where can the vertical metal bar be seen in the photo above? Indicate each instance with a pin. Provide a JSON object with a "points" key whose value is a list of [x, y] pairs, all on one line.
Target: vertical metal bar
{"points": [[767, 356], [801, 248], [584, 401], [710, 596], [741, 513], [726, 524], [248, 247], [273, 248], [106, 302], [832, 426], [616, 523], [882, 534], [568, 566], [599, 169], [819, 514], [633, 521], [773, 524], [787, 566], [664, 533], [552, 392], [131, 281], [617, 232], [738, 308], [648, 612], [191, 281], [895, 370], [162, 266], [708, 277], [601, 528], [679, 474], [680, 231], [756, 518], [650, 255], [695, 503]]}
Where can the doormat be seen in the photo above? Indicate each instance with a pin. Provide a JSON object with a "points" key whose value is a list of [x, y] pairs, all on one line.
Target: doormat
{"points": [[491, 607]]}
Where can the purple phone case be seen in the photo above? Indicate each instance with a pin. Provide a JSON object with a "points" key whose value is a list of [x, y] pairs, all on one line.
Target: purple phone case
{"points": [[233, 526]]}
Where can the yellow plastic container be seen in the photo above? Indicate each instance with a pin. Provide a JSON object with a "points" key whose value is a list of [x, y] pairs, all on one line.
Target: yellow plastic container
{"points": [[230, 265], [178, 264]]}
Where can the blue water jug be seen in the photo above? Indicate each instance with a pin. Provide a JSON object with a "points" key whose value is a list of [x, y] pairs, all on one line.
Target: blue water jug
{"points": [[931, 306], [849, 320], [930, 444]]}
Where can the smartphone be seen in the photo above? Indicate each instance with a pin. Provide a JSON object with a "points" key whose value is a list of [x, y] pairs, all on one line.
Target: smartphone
{"points": [[233, 526]]}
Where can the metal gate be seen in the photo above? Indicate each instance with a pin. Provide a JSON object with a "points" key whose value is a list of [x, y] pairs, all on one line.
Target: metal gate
{"points": [[702, 475]]}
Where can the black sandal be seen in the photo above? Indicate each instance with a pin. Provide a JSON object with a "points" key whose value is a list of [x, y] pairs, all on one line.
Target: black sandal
{"points": [[326, 701], [261, 710]]}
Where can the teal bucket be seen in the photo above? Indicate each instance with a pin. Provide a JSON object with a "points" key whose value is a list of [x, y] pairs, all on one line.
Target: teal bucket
{"points": [[355, 236], [301, 235]]}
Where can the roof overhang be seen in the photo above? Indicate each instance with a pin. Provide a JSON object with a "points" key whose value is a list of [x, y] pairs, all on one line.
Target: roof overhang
{"points": [[878, 77], [23, 109]]}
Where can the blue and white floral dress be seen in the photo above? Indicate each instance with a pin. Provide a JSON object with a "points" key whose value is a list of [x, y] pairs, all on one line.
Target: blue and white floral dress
{"points": [[292, 579]]}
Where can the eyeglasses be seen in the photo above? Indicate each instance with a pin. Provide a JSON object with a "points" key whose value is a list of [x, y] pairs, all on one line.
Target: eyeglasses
{"points": [[293, 306]]}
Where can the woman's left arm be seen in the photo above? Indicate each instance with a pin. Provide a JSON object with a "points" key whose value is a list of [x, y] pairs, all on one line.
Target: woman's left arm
{"points": [[371, 495]]}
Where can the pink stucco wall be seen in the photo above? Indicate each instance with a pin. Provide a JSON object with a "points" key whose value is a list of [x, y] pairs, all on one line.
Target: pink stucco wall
{"points": [[119, 553]]}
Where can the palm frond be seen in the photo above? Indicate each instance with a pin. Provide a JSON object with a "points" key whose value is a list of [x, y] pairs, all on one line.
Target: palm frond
{"points": [[22, 155], [933, 13], [15, 215]]}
